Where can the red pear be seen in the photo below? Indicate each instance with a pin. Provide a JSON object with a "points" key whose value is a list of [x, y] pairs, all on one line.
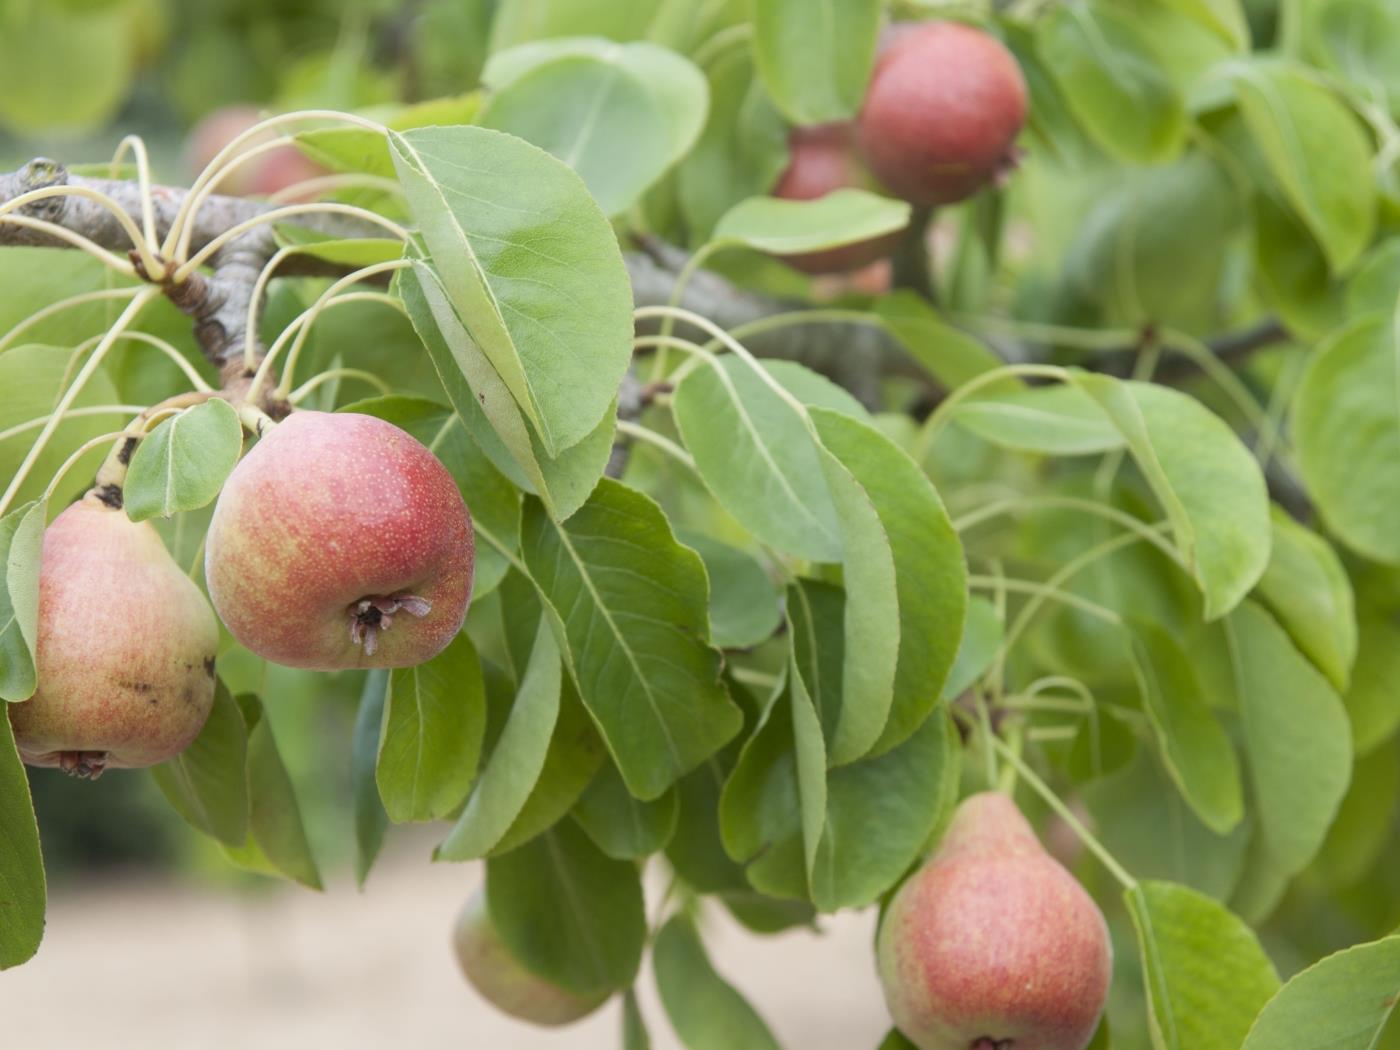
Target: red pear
{"points": [[340, 541], [823, 159], [992, 945], [504, 981], [942, 112], [125, 652]]}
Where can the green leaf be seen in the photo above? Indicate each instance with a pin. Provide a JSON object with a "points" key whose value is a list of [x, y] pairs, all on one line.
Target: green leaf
{"points": [[950, 356], [1054, 420], [568, 912], [1341, 1002], [207, 783], [21, 556], [277, 840], [905, 792], [620, 825], [1307, 588], [632, 607], [1364, 822], [930, 578], [1316, 150], [371, 820], [634, 1027], [744, 602], [618, 114], [742, 150], [434, 718], [1206, 480], [22, 889], [62, 71], [1346, 421], [541, 290], [1197, 752], [516, 761], [815, 56], [705, 1009], [981, 638], [791, 227], [183, 463], [1296, 735], [1206, 976], [756, 455], [1224, 17], [1113, 82], [895, 1040], [351, 252], [811, 759], [487, 411], [520, 20], [1371, 288], [33, 378], [1370, 701]]}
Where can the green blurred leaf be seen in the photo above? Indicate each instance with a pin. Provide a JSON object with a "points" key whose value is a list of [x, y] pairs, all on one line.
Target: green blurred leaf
{"points": [[1206, 976], [792, 227], [1054, 420], [981, 638], [1365, 821], [950, 356], [1113, 82], [1316, 150], [434, 718], [568, 912], [1197, 751], [207, 783], [520, 20], [1224, 17], [707, 1012], [1296, 736], [1342, 1002], [1346, 422], [21, 556], [632, 607], [1307, 588], [62, 70], [1207, 481], [542, 291], [371, 819], [622, 826], [744, 601], [183, 463], [815, 56], [634, 1028], [22, 889]]}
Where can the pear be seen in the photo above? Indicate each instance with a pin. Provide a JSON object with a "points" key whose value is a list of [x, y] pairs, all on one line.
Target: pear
{"points": [[340, 541], [504, 981], [942, 112], [125, 650], [992, 944]]}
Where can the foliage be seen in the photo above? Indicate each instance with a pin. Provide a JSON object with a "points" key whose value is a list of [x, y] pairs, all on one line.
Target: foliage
{"points": [[1120, 508]]}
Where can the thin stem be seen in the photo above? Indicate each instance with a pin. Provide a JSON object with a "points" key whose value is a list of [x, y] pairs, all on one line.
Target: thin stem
{"points": [[137, 304], [63, 304], [668, 313], [988, 735], [346, 180], [1044, 591], [720, 42], [1006, 783], [746, 676], [196, 380], [255, 301], [660, 441], [73, 413], [1064, 813], [1218, 371], [1151, 533], [137, 146], [124, 220], [109, 259], [79, 453], [311, 384], [943, 413], [304, 322], [276, 215], [1078, 338]]}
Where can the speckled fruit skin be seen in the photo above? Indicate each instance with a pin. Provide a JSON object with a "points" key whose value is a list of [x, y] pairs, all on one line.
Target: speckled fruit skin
{"points": [[823, 159], [328, 509], [942, 112], [503, 981], [126, 646], [992, 943]]}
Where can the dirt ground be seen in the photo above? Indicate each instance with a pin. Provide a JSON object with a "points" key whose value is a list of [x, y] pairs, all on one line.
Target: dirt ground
{"points": [[165, 966]]}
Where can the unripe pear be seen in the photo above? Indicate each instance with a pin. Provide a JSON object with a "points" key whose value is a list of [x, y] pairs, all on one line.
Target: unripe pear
{"points": [[823, 159], [992, 945], [504, 981], [340, 541], [942, 112], [125, 649]]}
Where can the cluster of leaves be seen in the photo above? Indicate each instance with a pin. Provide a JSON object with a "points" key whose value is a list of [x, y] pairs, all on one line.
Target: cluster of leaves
{"points": [[777, 650]]}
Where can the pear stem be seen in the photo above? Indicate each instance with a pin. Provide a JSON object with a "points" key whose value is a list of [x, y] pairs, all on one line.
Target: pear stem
{"points": [[1054, 801], [1006, 783]]}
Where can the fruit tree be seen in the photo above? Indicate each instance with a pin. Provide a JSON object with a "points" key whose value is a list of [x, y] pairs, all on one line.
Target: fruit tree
{"points": [[780, 456]]}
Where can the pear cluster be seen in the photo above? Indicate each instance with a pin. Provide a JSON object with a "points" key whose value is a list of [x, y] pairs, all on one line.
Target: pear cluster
{"points": [[339, 541], [992, 944], [939, 121]]}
